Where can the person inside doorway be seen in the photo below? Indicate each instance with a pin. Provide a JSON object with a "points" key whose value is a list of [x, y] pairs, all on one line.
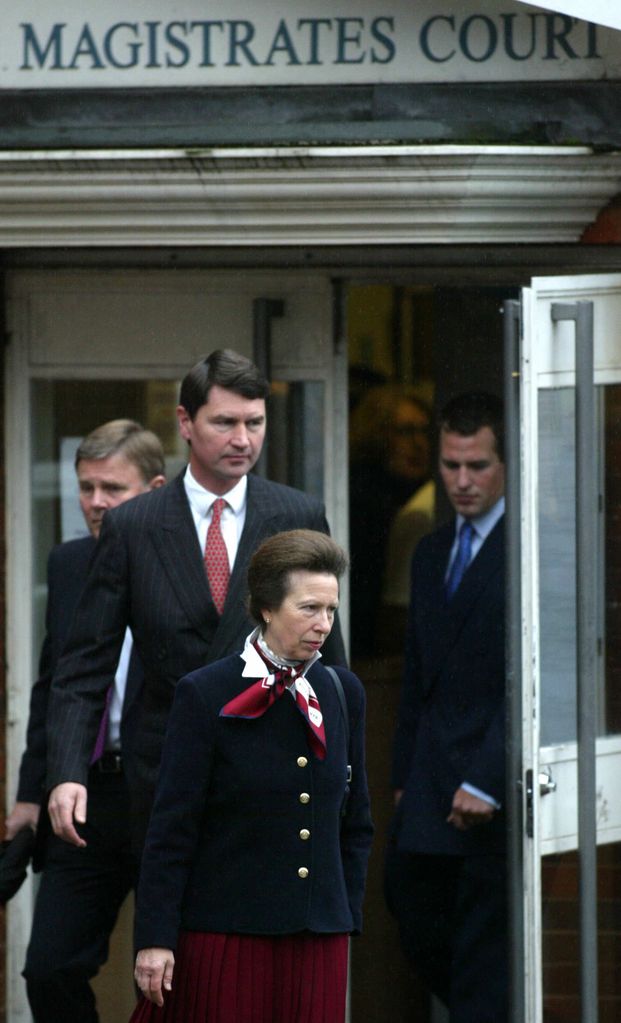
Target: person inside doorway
{"points": [[390, 460], [445, 869]]}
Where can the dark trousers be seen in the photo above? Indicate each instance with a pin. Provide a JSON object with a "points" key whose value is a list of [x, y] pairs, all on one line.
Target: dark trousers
{"points": [[77, 905], [452, 916]]}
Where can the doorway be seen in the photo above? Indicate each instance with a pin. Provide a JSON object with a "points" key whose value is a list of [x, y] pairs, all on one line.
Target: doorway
{"points": [[85, 343], [91, 345], [411, 347]]}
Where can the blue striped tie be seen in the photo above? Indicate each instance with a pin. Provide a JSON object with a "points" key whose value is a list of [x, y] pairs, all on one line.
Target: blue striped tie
{"points": [[461, 559]]}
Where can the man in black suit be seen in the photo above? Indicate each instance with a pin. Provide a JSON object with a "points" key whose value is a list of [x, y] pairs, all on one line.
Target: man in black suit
{"points": [[149, 572], [81, 891], [445, 876]]}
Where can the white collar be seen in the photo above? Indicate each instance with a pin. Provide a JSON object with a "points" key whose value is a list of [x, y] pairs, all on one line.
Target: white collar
{"points": [[255, 666], [483, 524], [202, 499]]}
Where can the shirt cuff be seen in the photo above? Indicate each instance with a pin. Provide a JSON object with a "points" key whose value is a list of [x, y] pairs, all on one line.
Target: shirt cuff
{"points": [[474, 791]]}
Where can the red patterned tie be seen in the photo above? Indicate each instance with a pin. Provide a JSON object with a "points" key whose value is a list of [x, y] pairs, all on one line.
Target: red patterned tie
{"points": [[216, 557]]}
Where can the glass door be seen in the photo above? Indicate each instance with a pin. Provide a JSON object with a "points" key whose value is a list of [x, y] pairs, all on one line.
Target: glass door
{"points": [[570, 423], [87, 346]]}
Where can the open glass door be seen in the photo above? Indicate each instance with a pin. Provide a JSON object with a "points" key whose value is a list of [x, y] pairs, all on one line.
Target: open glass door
{"points": [[570, 409]]}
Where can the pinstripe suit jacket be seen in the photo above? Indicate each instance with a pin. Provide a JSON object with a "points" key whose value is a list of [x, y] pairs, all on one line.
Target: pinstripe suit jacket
{"points": [[147, 572], [67, 571]]}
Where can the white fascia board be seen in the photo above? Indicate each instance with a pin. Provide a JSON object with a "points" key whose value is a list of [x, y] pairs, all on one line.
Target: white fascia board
{"points": [[301, 196]]}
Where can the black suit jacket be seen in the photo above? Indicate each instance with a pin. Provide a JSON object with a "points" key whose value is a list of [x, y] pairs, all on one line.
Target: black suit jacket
{"points": [[224, 848], [148, 572], [451, 720], [67, 571]]}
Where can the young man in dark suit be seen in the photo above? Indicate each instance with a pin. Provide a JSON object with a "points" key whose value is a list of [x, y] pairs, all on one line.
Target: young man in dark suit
{"points": [[446, 862], [81, 891], [154, 571]]}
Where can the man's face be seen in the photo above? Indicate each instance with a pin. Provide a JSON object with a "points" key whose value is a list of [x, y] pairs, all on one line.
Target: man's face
{"points": [[471, 470], [105, 482], [225, 437]]}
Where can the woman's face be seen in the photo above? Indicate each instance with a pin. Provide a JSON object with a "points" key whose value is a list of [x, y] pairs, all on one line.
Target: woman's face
{"points": [[409, 448], [305, 618]]}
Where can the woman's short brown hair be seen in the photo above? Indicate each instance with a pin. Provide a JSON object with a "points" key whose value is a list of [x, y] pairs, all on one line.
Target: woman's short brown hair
{"points": [[297, 550]]}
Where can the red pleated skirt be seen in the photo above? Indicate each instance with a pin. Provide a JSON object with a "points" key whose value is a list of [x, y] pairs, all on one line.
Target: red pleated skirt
{"points": [[237, 978]]}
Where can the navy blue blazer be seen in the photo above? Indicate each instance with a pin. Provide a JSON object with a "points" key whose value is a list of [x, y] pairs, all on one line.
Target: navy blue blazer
{"points": [[451, 719], [148, 572], [228, 833], [67, 570]]}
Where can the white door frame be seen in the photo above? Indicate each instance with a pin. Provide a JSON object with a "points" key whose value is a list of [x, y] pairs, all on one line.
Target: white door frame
{"points": [[547, 362], [270, 196], [97, 303]]}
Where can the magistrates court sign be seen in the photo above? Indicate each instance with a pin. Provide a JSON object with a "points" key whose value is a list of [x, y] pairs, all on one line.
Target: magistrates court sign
{"points": [[135, 43]]}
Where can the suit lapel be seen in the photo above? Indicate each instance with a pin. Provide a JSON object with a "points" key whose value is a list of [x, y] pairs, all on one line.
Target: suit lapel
{"points": [[434, 608], [260, 511], [487, 562], [177, 546], [449, 618]]}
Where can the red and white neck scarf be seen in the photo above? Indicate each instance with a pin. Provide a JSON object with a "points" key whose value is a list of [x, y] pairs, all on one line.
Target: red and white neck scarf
{"points": [[260, 695]]}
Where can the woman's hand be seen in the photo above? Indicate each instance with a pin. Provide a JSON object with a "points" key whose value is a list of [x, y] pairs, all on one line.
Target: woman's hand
{"points": [[153, 973]]}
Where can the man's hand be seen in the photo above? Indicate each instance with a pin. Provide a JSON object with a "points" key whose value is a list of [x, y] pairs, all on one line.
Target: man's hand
{"points": [[468, 810], [23, 815], [68, 804], [154, 973]]}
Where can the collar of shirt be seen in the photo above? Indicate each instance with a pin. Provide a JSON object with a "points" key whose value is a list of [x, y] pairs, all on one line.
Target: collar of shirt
{"points": [[255, 666], [482, 524], [233, 516]]}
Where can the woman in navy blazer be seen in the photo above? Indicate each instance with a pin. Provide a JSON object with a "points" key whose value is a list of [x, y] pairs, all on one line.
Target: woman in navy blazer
{"points": [[254, 866]]}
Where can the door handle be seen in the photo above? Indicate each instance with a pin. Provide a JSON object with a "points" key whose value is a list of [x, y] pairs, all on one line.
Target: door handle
{"points": [[546, 782], [546, 786]]}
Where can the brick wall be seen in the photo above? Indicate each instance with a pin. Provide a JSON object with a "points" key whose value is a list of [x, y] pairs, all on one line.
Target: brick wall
{"points": [[606, 230], [561, 946]]}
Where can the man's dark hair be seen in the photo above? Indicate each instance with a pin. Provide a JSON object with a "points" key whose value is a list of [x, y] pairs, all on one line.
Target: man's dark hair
{"points": [[466, 414], [224, 368]]}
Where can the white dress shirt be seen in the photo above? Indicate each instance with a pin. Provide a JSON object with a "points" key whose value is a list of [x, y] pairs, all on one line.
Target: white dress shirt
{"points": [[113, 740], [233, 516]]}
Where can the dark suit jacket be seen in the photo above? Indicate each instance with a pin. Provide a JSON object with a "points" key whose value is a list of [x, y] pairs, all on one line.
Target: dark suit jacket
{"points": [[67, 571], [451, 720], [148, 572], [224, 847]]}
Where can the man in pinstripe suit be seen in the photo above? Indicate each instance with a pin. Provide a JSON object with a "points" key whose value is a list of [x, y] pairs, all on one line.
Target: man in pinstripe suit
{"points": [[148, 573]]}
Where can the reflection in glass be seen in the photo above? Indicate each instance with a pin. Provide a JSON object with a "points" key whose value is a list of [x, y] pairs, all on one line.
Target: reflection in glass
{"points": [[558, 563], [64, 411], [294, 444]]}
